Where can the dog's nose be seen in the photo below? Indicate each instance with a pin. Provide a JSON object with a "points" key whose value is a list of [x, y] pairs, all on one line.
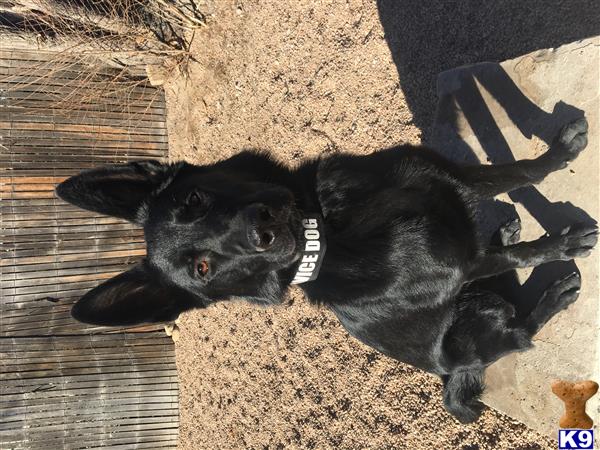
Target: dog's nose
{"points": [[261, 238], [264, 239], [262, 223]]}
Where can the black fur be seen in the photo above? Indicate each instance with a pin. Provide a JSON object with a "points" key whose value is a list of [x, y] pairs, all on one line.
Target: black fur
{"points": [[402, 249]]}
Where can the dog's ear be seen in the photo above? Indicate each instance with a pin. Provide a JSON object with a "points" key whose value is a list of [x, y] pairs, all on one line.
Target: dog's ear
{"points": [[133, 297], [118, 190]]}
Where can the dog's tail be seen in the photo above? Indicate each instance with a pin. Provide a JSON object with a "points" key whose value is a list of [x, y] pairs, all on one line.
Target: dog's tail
{"points": [[461, 394]]}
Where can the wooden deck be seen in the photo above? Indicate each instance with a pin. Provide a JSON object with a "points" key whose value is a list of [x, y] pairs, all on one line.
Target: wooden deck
{"points": [[64, 384]]}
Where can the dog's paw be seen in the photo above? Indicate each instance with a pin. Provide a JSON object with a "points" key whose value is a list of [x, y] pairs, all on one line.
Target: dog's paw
{"points": [[557, 297], [575, 241], [571, 140], [562, 292], [510, 232]]}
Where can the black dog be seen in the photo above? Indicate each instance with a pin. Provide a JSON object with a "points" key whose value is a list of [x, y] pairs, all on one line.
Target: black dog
{"points": [[401, 249]]}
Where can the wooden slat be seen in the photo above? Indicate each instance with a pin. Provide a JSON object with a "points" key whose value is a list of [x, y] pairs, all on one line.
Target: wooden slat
{"points": [[78, 101], [65, 97], [129, 112], [71, 247], [67, 384], [12, 295], [82, 361], [138, 444], [47, 280], [8, 171], [149, 351], [51, 125], [28, 311], [106, 383], [69, 392], [87, 369], [34, 359], [23, 83], [87, 412], [35, 321], [59, 227], [97, 116], [114, 374], [44, 140], [10, 81], [147, 99], [55, 60], [37, 303], [98, 243], [77, 435], [26, 264], [49, 102], [33, 180], [81, 437], [67, 267], [125, 423], [15, 256], [94, 135], [64, 222], [76, 70], [96, 155], [127, 341], [57, 213], [23, 73], [51, 275], [51, 204], [113, 384], [62, 120], [85, 439], [90, 233]]}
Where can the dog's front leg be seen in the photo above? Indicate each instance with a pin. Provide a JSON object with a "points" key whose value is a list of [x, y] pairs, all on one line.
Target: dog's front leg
{"points": [[487, 181], [573, 242]]}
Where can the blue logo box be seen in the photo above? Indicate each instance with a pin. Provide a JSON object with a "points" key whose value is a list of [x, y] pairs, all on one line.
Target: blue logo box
{"points": [[575, 439]]}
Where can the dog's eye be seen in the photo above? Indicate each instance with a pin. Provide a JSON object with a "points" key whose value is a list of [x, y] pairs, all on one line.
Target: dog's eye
{"points": [[194, 199], [201, 267], [197, 204]]}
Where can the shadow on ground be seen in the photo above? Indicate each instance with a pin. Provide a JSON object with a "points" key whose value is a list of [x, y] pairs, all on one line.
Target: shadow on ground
{"points": [[427, 38]]}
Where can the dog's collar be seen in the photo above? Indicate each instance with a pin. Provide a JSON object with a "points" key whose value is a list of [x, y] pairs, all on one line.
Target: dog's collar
{"points": [[313, 249]]}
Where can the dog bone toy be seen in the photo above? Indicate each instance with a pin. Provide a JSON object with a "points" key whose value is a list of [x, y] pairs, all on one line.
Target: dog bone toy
{"points": [[575, 395]]}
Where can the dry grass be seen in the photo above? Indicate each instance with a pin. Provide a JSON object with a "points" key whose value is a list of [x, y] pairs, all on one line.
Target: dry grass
{"points": [[105, 45]]}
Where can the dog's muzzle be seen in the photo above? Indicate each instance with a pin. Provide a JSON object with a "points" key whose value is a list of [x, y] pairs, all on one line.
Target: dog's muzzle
{"points": [[266, 226]]}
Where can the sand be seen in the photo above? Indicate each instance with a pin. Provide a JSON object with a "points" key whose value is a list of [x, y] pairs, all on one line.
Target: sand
{"points": [[302, 78]]}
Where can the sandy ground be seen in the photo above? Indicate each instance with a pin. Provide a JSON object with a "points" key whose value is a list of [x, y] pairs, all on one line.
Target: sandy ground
{"points": [[303, 78]]}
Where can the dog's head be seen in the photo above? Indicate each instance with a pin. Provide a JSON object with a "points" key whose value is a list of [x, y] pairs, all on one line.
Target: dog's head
{"points": [[212, 233]]}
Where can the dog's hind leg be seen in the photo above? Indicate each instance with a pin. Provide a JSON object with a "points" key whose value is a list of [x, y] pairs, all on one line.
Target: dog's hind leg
{"points": [[462, 389], [575, 241], [485, 328], [487, 181]]}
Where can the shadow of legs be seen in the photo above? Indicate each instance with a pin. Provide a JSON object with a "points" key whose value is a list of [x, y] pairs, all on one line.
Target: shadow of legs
{"points": [[531, 121]]}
